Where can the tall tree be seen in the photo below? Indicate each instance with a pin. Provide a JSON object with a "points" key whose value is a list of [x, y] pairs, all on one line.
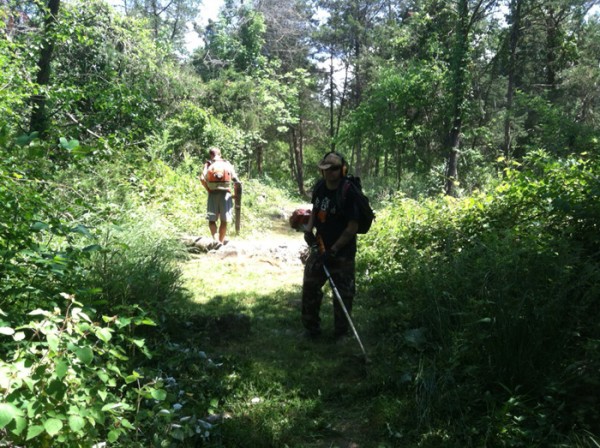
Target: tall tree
{"points": [[168, 19], [38, 121], [348, 36], [467, 15], [514, 16]]}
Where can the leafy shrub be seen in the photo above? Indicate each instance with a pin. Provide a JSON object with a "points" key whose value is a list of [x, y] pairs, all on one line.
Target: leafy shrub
{"points": [[138, 263], [492, 295], [65, 379]]}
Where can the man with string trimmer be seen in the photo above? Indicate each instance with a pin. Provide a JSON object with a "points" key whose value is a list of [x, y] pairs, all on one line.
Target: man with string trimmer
{"points": [[335, 216]]}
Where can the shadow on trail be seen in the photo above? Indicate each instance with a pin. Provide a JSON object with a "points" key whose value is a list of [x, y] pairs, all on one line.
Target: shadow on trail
{"points": [[268, 385]]}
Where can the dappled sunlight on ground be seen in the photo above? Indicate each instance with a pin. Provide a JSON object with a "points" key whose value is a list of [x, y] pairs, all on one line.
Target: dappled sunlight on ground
{"points": [[260, 265]]}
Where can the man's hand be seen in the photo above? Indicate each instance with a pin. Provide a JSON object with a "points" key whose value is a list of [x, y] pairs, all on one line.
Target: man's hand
{"points": [[327, 256], [310, 239]]}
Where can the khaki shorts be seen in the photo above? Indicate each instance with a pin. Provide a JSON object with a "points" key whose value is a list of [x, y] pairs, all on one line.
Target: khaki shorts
{"points": [[219, 206]]}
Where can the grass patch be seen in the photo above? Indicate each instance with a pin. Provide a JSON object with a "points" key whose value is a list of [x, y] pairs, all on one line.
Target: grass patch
{"points": [[282, 390]]}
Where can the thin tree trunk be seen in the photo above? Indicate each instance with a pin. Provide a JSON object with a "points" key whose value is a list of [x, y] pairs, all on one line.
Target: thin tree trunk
{"points": [[300, 160], [39, 120], [454, 144], [259, 159], [358, 98], [515, 31], [331, 101], [297, 156]]}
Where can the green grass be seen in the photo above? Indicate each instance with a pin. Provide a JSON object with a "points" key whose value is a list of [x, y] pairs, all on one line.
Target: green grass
{"points": [[282, 390]]}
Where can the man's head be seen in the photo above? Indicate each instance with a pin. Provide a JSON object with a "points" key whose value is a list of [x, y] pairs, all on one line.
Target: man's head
{"points": [[332, 162], [214, 153]]}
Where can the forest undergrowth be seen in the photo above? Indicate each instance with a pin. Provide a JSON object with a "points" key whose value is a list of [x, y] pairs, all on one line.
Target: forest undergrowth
{"points": [[478, 314]]}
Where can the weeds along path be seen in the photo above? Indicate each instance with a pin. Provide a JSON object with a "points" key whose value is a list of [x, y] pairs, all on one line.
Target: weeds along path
{"points": [[275, 389]]}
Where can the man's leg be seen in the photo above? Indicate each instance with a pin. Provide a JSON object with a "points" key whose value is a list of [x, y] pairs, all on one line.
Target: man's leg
{"points": [[222, 231], [226, 214], [212, 225], [212, 214], [312, 295], [343, 275]]}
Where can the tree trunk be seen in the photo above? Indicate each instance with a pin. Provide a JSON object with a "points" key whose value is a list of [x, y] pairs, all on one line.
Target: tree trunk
{"points": [[39, 120], [357, 100], [331, 101], [259, 158], [454, 144], [297, 156], [515, 32], [458, 69]]}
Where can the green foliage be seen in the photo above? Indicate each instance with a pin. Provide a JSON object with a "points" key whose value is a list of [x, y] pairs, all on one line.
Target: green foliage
{"points": [[396, 120], [72, 372], [15, 74], [66, 380], [137, 263], [494, 293], [233, 43]]}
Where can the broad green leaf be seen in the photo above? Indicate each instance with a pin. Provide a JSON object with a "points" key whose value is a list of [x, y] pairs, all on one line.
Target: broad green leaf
{"points": [[7, 413], [103, 394], [19, 336], [118, 355], [76, 423], [25, 139], [78, 312], [113, 436], [81, 151], [20, 425], [145, 321], [81, 229], [34, 431], [104, 334], [62, 367], [56, 389], [60, 260], [178, 434], [7, 331], [85, 355], [38, 312], [158, 394], [92, 248], [53, 426], [69, 145], [133, 377], [38, 226], [102, 375], [123, 322], [111, 406], [53, 342], [127, 424]]}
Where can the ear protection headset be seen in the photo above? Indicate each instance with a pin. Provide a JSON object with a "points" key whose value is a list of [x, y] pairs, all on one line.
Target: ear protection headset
{"points": [[344, 163]]}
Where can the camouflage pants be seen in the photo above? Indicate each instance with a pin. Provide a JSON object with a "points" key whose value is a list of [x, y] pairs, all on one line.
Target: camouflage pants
{"points": [[342, 272]]}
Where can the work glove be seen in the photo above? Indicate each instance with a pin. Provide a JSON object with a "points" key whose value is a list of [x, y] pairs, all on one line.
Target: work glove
{"points": [[310, 239], [327, 256]]}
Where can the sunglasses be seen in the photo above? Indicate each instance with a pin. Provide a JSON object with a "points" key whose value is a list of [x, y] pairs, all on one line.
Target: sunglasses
{"points": [[333, 168]]}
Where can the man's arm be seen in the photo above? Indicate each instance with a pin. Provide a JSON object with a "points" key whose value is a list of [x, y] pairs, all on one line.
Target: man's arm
{"points": [[349, 232], [203, 176], [309, 236]]}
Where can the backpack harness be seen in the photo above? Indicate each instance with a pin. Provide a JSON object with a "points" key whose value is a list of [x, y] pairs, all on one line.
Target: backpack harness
{"points": [[366, 215], [218, 176]]}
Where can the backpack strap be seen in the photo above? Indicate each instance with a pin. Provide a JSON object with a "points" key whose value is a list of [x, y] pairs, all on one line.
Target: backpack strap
{"points": [[320, 183]]}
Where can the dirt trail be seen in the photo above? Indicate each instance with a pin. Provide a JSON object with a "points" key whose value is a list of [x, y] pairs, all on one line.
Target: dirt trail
{"points": [[262, 262], [264, 275]]}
